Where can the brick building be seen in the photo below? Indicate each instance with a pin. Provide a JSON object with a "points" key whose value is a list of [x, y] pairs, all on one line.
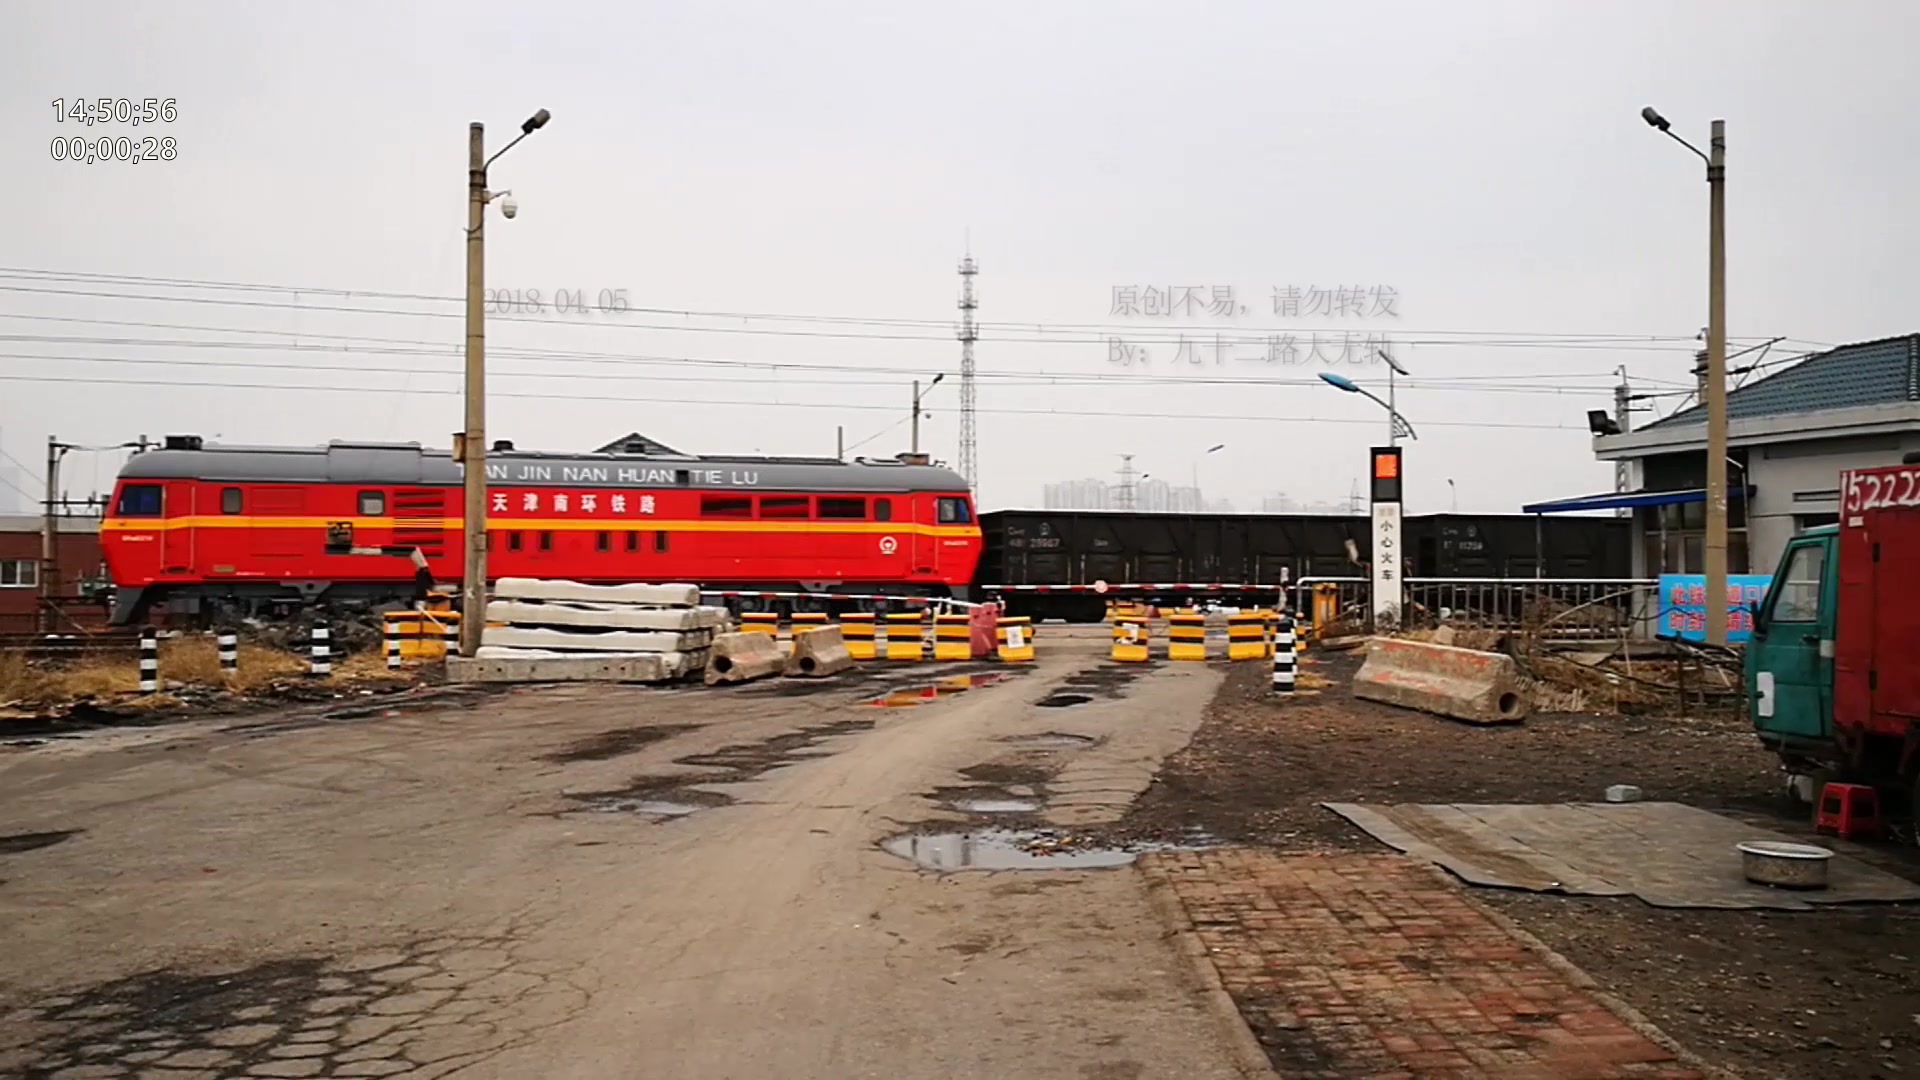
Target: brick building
{"points": [[80, 562]]}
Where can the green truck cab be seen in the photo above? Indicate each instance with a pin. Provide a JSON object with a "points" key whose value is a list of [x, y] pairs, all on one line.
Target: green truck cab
{"points": [[1832, 673]]}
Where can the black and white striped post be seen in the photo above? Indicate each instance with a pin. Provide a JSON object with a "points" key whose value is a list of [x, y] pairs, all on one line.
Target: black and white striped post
{"points": [[321, 652], [393, 644], [227, 644], [149, 660], [1283, 655]]}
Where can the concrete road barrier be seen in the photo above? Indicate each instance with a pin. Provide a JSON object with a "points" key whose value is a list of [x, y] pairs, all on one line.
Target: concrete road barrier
{"points": [[737, 658], [595, 616], [1465, 684], [818, 651]]}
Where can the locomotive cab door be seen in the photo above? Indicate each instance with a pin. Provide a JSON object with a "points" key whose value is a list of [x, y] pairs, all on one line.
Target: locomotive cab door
{"points": [[176, 539]]}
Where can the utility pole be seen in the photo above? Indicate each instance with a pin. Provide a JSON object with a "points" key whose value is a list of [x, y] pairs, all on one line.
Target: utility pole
{"points": [[1717, 386], [969, 333], [839, 442], [473, 457], [473, 440], [49, 536], [915, 444], [1622, 410]]}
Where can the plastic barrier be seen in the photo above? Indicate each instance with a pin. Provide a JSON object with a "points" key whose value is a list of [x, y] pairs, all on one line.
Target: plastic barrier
{"points": [[760, 622], [857, 633], [801, 620], [1186, 636], [1478, 687]]}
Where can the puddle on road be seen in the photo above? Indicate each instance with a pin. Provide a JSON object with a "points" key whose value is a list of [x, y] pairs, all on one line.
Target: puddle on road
{"points": [[1011, 849], [934, 691], [1061, 701], [608, 745], [995, 806], [15, 843], [1052, 740], [666, 804]]}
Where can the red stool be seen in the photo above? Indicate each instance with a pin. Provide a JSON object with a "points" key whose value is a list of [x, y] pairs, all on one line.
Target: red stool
{"points": [[1848, 810]]}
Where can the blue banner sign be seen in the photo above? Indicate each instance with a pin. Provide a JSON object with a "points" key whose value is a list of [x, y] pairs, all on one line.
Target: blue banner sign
{"points": [[1683, 605]]}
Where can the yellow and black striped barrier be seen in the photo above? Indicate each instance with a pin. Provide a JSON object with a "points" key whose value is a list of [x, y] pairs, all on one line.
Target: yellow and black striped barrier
{"points": [[1130, 637], [1014, 637], [904, 636], [953, 637], [807, 620], [1186, 636], [857, 630], [1247, 635], [760, 622]]}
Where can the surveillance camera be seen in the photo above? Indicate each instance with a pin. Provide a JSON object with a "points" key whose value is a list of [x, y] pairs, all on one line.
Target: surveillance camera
{"points": [[509, 207]]}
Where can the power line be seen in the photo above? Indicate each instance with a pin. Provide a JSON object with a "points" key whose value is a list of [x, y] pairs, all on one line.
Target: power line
{"points": [[1267, 418], [1008, 379], [1249, 336]]}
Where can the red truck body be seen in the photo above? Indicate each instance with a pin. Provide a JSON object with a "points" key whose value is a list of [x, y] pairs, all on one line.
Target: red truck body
{"points": [[1876, 658]]}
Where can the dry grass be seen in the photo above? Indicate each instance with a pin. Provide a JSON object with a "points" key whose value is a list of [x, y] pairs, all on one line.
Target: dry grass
{"points": [[190, 661]]}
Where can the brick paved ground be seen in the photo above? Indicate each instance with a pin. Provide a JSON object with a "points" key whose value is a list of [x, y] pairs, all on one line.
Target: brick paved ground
{"points": [[1375, 965]]}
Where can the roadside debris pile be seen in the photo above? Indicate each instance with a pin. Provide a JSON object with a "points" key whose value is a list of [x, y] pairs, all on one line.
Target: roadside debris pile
{"points": [[190, 677], [1614, 677]]}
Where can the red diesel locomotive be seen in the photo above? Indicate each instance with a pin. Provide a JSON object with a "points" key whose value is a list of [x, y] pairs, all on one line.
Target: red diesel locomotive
{"points": [[208, 529]]}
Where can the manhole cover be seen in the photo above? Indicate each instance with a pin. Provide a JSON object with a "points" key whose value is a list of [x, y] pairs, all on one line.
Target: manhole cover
{"points": [[1060, 701]]}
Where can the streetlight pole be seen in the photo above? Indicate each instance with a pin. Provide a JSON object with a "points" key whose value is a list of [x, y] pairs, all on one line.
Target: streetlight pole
{"points": [[473, 455], [1716, 388], [916, 408], [1393, 409], [1396, 423]]}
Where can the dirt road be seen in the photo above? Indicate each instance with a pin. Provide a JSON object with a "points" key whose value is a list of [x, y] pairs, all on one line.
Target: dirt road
{"points": [[526, 885]]}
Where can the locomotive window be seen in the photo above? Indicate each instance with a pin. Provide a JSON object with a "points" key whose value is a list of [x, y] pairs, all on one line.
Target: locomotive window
{"points": [[605, 543], [373, 503], [139, 500], [633, 540], [842, 508], [783, 506], [546, 541], [660, 541], [883, 509], [954, 512], [229, 500], [513, 541], [726, 506]]}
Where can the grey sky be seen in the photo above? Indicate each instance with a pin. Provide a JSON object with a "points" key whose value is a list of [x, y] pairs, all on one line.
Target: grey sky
{"points": [[1486, 161]]}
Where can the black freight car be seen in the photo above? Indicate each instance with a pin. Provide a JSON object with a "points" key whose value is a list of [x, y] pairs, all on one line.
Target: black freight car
{"points": [[1081, 547]]}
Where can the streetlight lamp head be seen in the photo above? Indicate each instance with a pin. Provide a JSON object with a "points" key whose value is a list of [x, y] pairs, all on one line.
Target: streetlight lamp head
{"points": [[1221, 446], [937, 378], [1654, 119], [1391, 362], [1339, 382], [535, 122]]}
